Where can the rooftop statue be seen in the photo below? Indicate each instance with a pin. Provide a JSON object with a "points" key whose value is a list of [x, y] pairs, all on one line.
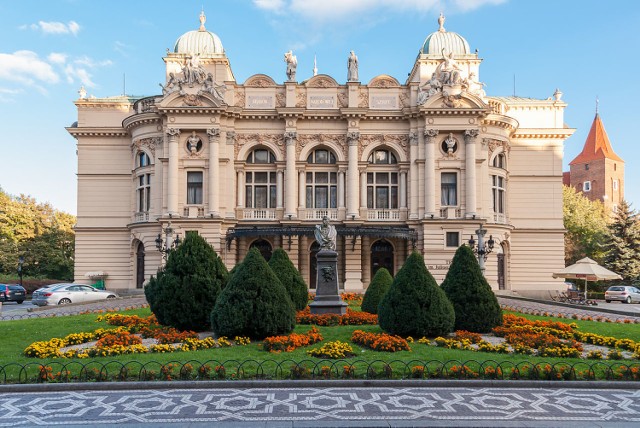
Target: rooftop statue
{"points": [[441, 19], [292, 64], [352, 68], [325, 234]]}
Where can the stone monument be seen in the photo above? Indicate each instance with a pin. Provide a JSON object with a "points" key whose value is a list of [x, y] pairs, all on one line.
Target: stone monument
{"points": [[328, 300]]}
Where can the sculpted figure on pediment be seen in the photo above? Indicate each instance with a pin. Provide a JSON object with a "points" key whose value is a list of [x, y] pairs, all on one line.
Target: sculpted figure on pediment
{"points": [[429, 89], [211, 87]]}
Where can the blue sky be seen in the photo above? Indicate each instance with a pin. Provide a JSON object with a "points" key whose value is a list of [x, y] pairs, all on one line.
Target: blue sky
{"points": [[586, 48]]}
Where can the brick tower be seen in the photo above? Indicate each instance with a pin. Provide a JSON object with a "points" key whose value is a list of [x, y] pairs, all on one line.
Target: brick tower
{"points": [[597, 171]]}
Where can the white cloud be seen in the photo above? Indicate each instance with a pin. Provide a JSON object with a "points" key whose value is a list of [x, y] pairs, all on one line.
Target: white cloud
{"points": [[54, 27], [57, 58], [26, 68], [81, 74], [88, 62], [338, 9]]}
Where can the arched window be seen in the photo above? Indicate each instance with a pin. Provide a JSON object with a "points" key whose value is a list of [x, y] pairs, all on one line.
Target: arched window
{"points": [[321, 180], [381, 256], [499, 161], [142, 160], [264, 247], [383, 157], [260, 179]]}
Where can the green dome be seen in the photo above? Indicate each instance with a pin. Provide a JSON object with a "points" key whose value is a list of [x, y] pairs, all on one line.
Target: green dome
{"points": [[442, 39], [199, 41]]}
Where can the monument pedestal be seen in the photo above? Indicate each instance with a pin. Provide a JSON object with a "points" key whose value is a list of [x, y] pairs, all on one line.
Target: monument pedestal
{"points": [[328, 300]]}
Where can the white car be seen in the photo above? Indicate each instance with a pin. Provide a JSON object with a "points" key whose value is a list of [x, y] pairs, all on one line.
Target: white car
{"points": [[63, 294], [622, 293]]}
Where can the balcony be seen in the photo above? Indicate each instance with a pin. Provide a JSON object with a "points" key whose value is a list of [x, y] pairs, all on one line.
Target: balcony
{"points": [[193, 212], [383, 215], [450, 213], [500, 218], [145, 105], [259, 214], [140, 217], [319, 213]]}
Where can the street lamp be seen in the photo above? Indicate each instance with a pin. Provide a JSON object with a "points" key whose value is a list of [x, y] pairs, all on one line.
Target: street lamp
{"points": [[20, 263], [166, 245], [483, 249]]}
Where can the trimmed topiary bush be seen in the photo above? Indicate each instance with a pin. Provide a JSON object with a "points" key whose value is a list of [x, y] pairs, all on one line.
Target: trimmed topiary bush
{"points": [[474, 303], [185, 290], [254, 303], [289, 276], [377, 289], [415, 305]]}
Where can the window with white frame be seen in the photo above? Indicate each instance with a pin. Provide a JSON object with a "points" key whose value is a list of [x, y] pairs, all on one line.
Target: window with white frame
{"points": [[194, 188], [499, 192], [449, 189], [260, 179], [615, 184], [143, 193], [586, 186], [321, 180], [382, 190]]}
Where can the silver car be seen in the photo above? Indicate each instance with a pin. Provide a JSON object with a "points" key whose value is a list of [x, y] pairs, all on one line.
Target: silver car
{"points": [[622, 293], [62, 294]]}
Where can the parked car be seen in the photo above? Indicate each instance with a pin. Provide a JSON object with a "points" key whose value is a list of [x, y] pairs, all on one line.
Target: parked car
{"points": [[622, 293], [12, 293], [62, 294]]}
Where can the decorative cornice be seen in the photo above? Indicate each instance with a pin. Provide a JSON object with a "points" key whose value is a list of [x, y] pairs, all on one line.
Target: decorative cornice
{"points": [[149, 143], [97, 132]]}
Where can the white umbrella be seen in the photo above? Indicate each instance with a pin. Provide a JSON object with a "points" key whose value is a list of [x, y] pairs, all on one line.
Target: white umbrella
{"points": [[588, 270]]}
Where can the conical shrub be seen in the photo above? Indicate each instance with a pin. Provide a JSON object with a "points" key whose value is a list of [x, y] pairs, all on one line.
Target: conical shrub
{"points": [[254, 302], [185, 290], [377, 289], [289, 276], [415, 305], [474, 303]]}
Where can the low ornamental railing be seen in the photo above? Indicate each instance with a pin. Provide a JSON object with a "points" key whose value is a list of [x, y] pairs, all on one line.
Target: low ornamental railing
{"points": [[115, 371]]}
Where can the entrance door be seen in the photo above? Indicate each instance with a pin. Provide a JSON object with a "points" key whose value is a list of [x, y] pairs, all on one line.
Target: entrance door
{"points": [[140, 266], [501, 271], [264, 247], [381, 256], [313, 265]]}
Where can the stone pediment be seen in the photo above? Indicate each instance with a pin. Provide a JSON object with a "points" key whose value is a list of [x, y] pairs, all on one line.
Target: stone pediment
{"points": [[260, 81], [192, 99], [463, 100], [383, 81], [321, 81]]}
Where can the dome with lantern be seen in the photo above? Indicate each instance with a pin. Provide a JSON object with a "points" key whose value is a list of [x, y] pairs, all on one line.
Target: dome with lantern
{"points": [[443, 40], [199, 41]]}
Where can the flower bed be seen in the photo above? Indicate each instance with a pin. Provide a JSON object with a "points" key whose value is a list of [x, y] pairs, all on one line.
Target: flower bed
{"points": [[335, 349], [350, 318], [380, 342], [292, 341]]}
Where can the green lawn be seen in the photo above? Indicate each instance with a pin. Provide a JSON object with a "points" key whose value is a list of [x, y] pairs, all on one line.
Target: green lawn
{"points": [[18, 334]]}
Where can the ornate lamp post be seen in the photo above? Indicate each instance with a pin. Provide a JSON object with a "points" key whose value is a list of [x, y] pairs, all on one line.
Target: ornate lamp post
{"points": [[168, 244], [483, 248], [20, 263]]}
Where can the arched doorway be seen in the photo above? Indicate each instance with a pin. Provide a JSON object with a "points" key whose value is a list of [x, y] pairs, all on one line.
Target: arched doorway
{"points": [[140, 265], [313, 265], [381, 256], [264, 247]]}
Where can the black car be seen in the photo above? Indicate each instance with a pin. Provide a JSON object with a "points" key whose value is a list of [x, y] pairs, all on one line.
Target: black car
{"points": [[12, 293]]}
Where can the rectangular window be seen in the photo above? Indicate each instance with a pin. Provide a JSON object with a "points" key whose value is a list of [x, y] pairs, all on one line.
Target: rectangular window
{"points": [[615, 184], [449, 189], [586, 187], [322, 200], [194, 188], [498, 193], [453, 239], [260, 197]]}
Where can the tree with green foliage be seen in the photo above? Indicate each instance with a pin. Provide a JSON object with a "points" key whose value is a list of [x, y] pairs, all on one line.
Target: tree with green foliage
{"points": [[623, 248], [476, 306], [586, 224], [376, 290], [289, 276], [186, 289], [415, 305], [254, 302]]}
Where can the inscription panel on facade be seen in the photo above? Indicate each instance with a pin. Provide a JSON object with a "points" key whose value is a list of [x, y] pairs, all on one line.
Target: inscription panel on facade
{"points": [[384, 102], [260, 101], [322, 101]]}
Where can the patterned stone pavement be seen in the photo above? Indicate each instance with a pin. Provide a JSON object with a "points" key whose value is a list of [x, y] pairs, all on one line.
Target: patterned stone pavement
{"points": [[327, 406]]}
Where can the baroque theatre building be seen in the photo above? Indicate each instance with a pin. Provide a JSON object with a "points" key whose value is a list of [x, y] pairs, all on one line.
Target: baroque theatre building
{"points": [[396, 167]]}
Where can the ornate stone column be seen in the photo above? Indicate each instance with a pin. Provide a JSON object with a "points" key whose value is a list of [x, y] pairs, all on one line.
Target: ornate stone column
{"points": [[429, 172], [301, 189], [290, 174], [214, 172], [280, 188], [341, 173], [363, 189], [240, 188], [172, 173], [470, 172], [413, 175], [352, 175], [403, 190]]}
